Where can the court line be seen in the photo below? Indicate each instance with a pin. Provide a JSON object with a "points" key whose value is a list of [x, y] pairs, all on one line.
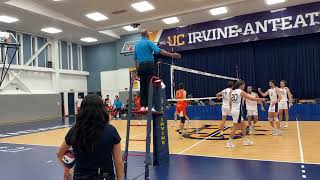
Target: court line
{"points": [[300, 142], [303, 174], [239, 158], [196, 144]]}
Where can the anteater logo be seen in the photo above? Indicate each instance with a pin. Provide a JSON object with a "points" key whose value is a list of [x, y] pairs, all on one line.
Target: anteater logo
{"points": [[212, 132]]}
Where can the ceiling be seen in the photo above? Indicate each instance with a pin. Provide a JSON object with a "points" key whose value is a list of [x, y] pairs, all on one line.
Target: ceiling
{"points": [[69, 15]]}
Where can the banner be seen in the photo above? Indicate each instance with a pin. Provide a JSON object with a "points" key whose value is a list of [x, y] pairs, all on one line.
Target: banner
{"points": [[291, 21]]}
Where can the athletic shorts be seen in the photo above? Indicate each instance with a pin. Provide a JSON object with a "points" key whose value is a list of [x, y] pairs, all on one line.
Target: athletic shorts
{"points": [[283, 105], [225, 110], [237, 116], [273, 108], [252, 112], [181, 111]]}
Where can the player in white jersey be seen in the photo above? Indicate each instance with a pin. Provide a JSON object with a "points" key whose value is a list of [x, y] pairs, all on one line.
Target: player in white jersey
{"points": [[226, 103], [252, 109], [275, 97], [237, 105], [285, 102]]}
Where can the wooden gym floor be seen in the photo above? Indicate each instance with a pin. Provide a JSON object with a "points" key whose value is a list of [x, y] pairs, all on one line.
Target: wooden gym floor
{"points": [[300, 143]]}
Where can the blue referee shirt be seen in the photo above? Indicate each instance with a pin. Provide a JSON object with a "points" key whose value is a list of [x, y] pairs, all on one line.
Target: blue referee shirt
{"points": [[144, 50]]}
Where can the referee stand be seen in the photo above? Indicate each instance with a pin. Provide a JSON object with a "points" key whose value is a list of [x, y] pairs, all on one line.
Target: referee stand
{"points": [[158, 121]]}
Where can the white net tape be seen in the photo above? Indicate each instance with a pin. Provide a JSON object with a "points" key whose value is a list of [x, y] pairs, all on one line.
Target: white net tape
{"points": [[192, 99], [202, 73], [187, 70]]}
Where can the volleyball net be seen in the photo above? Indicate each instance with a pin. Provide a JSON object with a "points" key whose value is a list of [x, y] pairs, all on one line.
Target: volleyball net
{"points": [[196, 80]]}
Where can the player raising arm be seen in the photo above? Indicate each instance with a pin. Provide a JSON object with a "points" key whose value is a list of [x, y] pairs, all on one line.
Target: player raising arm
{"points": [[275, 97]]}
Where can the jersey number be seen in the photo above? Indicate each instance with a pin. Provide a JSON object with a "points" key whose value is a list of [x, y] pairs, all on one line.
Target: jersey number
{"points": [[225, 94], [234, 97]]}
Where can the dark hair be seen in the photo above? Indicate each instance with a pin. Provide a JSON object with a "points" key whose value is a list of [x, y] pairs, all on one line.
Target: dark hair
{"points": [[239, 83], [285, 82], [249, 85], [273, 81], [90, 122], [230, 84], [181, 86]]}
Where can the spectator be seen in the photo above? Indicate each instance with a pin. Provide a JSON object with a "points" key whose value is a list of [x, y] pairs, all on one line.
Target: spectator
{"points": [[96, 144], [78, 103], [118, 105], [107, 101]]}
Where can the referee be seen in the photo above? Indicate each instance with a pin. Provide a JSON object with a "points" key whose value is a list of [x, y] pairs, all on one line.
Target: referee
{"points": [[144, 62]]}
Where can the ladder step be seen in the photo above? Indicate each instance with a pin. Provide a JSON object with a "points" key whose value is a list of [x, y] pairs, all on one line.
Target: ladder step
{"points": [[138, 125], [139, 155], [137, 140]]}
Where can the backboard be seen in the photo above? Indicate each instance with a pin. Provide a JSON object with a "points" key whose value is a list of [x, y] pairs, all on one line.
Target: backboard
{"points": [[128, 48], [8, 39], [8, 50]]}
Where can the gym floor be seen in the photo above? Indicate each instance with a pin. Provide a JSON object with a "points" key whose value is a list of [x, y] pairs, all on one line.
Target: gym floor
{"points": [[27, 152]]}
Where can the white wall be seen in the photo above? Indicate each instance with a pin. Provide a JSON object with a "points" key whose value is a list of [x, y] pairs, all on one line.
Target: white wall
{"points": [[28, 80], [72, 82], [112, 82], [24, 79]]}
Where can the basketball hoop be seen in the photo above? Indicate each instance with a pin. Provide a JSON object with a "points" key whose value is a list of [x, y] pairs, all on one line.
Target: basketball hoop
{"points": [[128, 48], [9, 43]]}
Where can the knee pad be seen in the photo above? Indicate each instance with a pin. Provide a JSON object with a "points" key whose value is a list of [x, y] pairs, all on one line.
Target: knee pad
{"points": [[276, 119], [183, 120], [270, 119]]}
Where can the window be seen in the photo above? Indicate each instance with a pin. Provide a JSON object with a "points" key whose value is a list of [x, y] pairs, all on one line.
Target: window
{"points": [[79, 51], [19, 54], [47, 51], [34, 49], [69, 53], [3, 52], [60, 55]]}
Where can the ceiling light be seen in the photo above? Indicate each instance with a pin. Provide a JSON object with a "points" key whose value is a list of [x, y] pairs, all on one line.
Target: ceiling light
{"points": [[8, 19], [96, 16], [271, 2], [130, 28], [51, 30], [171, 20], [89, 39], [218, 11], [278, 10], [143, 6]]}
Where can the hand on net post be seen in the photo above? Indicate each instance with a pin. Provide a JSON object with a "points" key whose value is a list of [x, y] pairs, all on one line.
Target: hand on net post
{"points": [[176, 56]]}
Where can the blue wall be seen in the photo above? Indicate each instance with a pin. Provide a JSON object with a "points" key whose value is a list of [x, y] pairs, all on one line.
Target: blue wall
{"points": [[105, 57], [125, 61], [99, 58]]}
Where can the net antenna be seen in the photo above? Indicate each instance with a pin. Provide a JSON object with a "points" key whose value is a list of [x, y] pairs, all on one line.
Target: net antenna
{"points": [[179, 68], [9, 47]]}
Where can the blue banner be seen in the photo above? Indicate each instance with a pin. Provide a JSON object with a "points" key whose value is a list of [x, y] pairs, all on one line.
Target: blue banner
{"points": [[291, 21]]}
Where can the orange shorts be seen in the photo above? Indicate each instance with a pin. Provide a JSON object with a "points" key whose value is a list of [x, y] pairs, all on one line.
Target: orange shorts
{"points": [[181, 111]]}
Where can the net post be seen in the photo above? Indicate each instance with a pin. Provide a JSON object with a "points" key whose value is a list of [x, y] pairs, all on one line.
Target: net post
{"points": [[172, 81]]}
